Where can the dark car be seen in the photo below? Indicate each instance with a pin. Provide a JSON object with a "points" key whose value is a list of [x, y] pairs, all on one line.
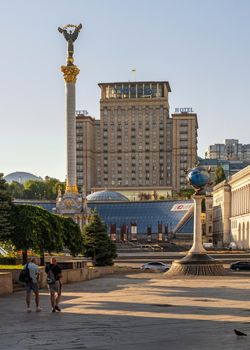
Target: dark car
{"points": [[240, 265]]}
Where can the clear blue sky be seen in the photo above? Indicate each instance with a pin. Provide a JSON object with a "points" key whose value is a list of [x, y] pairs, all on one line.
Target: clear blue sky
{"points": [[201, 47]]}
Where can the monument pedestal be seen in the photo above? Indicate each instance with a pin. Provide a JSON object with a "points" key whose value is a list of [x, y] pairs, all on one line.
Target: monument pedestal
{"points": [[197, 261], [197, 264], [73, 205]]}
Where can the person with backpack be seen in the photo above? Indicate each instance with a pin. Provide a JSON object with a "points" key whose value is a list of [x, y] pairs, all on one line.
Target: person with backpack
{"points": [[31, 283], [54, 274]]}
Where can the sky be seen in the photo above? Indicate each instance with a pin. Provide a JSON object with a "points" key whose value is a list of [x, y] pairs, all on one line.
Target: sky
{"points": [[201, 47]]}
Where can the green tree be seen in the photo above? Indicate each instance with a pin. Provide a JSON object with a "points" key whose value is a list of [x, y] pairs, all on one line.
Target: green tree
{"points": [[186, 193], [72, 236], [219, 175], [34, 189], [37, 189], [16, 189], [5, 211], [98, 245], [35, 229]]}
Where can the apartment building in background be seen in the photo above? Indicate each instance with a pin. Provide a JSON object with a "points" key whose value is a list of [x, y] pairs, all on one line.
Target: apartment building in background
{"points": [[231, 149], [135, 147]]}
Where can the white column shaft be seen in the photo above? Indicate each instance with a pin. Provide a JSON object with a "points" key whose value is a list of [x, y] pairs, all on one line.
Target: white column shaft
{"points": [[197, 241], [70, 133]]}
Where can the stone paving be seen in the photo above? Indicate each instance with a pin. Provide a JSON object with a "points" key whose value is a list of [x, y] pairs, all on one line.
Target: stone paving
{"points": [[133, 311]]}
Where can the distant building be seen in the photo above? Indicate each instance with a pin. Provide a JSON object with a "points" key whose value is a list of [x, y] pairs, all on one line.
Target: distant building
{"points": [[230, 167], [143, 221], [231, 214], [136, 146], [21, 177], [231, 149]]}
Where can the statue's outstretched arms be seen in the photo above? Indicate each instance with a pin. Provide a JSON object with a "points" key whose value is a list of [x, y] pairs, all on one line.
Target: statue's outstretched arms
{"points": [[74, 35]]}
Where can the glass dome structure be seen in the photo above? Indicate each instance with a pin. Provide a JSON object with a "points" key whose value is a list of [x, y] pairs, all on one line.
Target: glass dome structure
{"points": [[106, 196]]}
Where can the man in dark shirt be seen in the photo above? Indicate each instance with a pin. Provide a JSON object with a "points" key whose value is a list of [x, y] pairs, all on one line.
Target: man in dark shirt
{"points": [[54, 273]]}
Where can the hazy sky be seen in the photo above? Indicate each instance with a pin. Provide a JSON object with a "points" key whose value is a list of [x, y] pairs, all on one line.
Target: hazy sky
{"points": [[201, 47]]}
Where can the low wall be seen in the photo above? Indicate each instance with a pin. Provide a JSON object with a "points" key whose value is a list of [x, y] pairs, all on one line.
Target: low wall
{"points": [[68, 276], [6, 285]]}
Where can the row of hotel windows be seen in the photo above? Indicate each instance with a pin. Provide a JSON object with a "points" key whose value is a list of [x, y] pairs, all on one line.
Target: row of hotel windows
{"points": [[125, 183], [134, 91]]}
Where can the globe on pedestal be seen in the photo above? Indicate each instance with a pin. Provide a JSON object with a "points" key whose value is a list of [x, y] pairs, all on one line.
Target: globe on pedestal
{"points": [[198, 178]]}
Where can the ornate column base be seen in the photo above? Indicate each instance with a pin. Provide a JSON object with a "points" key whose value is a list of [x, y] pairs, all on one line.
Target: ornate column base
{"points": [[72, 189], [196, 264]]}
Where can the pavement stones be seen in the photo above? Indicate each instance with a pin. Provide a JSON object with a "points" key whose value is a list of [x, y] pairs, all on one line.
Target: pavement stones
{"points": [[133, 311]]}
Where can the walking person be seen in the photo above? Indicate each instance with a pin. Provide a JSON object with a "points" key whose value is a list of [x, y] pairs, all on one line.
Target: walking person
{"points": [[32, 285], [54, 275]]}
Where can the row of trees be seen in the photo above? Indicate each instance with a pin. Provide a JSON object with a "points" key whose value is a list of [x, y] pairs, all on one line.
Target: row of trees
{"points": [[36, 189], [28, 227]]}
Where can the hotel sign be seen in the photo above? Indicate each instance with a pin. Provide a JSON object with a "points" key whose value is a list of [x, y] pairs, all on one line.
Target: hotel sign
{"points": [[181, 206], [184, 110]]}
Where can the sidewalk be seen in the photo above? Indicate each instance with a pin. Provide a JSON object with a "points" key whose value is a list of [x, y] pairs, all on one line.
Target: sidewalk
{"points": [[133, 311]]}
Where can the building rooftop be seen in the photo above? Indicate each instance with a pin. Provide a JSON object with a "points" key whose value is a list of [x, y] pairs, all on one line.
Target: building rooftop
{"points": [[21, 177], [106, 196], [138, 82]]}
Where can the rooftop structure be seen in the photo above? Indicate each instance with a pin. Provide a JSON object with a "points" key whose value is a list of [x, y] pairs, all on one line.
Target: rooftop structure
{"points": [[21, 177]]}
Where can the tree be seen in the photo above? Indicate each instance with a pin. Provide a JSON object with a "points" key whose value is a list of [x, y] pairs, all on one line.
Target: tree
{"points": [[16, 189], [219, 175], [37, 189], [72, 236], [35, 228], [98, 245], [5, 211], [186, 193]]}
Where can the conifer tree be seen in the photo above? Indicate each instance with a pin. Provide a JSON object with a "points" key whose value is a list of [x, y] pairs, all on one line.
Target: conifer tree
{"points": [[219, 175], [98, 245]]}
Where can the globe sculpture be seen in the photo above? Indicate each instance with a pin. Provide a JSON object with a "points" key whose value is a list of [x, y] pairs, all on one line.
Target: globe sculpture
{"points": [[198, 179], [197, 261]]}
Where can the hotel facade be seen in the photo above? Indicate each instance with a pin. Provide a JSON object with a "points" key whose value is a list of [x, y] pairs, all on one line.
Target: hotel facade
{"points": [[135, 147]]}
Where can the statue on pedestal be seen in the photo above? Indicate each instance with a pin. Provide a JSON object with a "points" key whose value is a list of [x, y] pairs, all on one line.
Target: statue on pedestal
{"points": [[70, 37]]}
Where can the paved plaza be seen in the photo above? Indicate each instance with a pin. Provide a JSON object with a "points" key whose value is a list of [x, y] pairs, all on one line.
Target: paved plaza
{"points": [[133, 311]]}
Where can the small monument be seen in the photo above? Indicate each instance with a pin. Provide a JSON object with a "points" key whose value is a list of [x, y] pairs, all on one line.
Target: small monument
{"points": [[72, 203], [197, 261]]}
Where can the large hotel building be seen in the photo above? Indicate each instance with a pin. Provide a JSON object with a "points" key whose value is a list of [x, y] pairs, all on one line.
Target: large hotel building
{"points": [[135, 147]]}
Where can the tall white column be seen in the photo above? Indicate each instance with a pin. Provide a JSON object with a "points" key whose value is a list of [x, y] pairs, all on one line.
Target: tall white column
{"points": [[70, 134], [70, 74], [197, 246]]}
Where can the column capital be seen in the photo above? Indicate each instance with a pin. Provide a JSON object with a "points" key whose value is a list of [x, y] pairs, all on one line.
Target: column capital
{"points": [[71, 189], [70, 73]]}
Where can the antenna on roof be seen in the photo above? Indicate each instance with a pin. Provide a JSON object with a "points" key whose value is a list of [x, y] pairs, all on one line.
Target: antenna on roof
{"points": [[134, 74]]}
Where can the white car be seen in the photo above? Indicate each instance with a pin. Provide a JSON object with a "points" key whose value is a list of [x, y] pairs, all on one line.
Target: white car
{"points": [[155, 266]]}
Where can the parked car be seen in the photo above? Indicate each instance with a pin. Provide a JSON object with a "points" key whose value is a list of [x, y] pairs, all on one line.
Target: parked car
{"points": [[208, 245], [240, 265], [155, 266]]}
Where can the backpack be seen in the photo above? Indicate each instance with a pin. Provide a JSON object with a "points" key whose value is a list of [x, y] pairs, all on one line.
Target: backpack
{"points": [[51, 279], [24, 276]]}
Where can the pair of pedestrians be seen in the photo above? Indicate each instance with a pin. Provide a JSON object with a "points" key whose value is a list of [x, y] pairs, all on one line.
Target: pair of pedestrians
{"points": [[54, 274]]}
